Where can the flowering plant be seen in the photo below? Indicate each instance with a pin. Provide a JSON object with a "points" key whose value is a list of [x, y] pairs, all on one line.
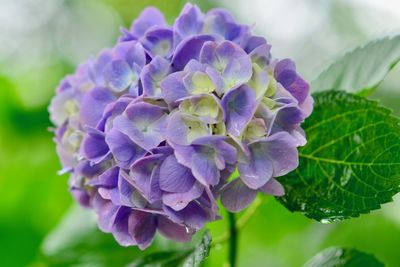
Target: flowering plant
{"points": [[156, 129], [152, 129]]}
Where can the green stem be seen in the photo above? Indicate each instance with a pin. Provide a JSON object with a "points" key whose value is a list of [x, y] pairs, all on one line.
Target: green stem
{"points": [[241, 221], [250, 211], [232, 240]]}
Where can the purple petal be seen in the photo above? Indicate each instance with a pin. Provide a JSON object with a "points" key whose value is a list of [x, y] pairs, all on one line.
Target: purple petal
{"points": [[208, 55], [125, 151], [299, 89], [237, 72], [193, 215], [289, 116], [287, 69], [188, 23], [285, 74], [241, 147], [205, 169], [227, 152], [182, 129], [109, 179], [219, 147], [219, 21], [172, 230], [307, 106], [106, 212], [260, 82], [284, 112], [268, 115], [93, 104], [178, 201], [118, 75], [210, 140], [152, 75], [145, 175], [236, 196], [254, 42], [255, 173], [98, 65], [142, 227], [89, 170], [126, 36], [59, 106], [194, 65], [230, 60], [128, 195], [143, 113], [94, 147], [261, 55], [158, 41], [149, 17], [136, 56], [120, 229], [189, 49], [217, 79], [132, 53], [175, 177], [239, 105], [281, 149], [81, 196], [111, 111], [258, 170], [273, 187], [273, 156], [164, 150], [143, 123], [298, 135], [172, 87], [183, 154]]}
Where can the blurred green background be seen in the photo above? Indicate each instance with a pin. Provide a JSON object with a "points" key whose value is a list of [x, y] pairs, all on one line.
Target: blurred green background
{"points": [[42, 40]]}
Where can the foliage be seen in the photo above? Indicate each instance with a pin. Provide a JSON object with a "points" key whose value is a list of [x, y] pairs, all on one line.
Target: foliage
{"points": [[184, 258], [362, 69], [338, 176], [74, 243], [343, 257]]}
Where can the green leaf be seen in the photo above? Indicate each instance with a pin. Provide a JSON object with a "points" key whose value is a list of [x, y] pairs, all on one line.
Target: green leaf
{"points": [[161, 259], [362, 69], [343, 257], [351, 164], [199, 253], [189, 258], [76, 241]]}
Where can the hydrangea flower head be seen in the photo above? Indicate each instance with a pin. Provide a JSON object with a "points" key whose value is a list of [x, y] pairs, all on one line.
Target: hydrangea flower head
{"points": [[152, 129]]}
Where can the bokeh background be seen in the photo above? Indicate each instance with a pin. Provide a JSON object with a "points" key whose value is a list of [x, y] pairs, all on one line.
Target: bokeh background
{"points": [[42, 40]]}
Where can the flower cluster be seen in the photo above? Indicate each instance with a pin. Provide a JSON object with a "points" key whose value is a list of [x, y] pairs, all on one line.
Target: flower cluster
{"points": [[152, 129]]}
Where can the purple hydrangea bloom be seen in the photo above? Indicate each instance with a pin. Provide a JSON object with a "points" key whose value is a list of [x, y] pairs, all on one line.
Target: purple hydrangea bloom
{"points": [[152, 129]]}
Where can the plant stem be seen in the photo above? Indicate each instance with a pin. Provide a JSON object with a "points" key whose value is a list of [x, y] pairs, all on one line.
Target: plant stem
{"points": [[244, 219], [232, 240], [241, 221]]}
